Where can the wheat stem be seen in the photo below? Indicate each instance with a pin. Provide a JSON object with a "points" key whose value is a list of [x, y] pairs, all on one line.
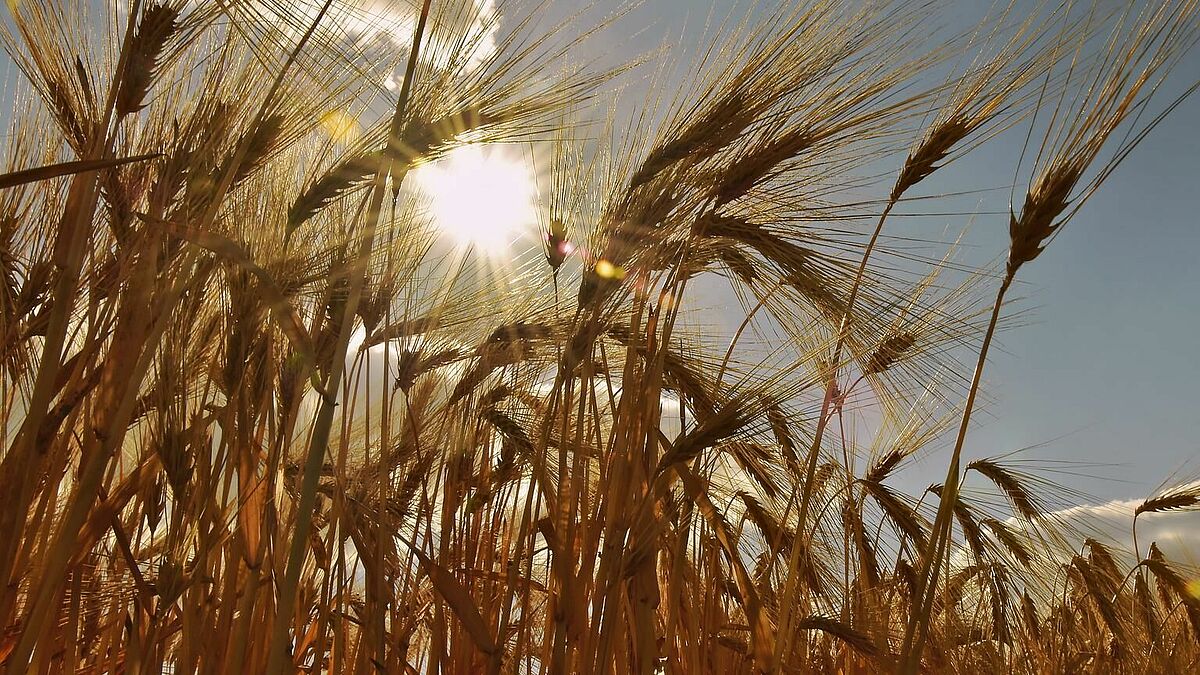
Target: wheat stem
{"points": [[936, 546], [324, 420]]}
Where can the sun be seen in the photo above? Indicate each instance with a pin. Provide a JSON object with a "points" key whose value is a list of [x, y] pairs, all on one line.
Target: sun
{"points": [[481, 197]]}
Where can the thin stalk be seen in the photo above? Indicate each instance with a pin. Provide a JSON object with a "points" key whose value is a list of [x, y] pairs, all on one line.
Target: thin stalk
{"points": [[927, 576], [783, 646], [82, 199], [737, 336], [98, 448], [324, 422]]}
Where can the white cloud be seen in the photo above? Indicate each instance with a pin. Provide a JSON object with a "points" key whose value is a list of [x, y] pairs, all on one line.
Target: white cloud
{"points": [[364, 21], [1177, 533]]}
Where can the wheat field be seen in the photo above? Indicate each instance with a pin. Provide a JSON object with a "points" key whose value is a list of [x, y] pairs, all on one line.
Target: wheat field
{"points": [[260, 414]]}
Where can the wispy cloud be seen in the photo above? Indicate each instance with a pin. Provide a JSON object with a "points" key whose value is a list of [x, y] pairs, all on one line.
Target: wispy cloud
{"points": [[1176, 533]]}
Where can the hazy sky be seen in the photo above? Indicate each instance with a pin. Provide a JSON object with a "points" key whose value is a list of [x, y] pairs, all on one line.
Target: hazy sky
{"points": [[1107, 372]]}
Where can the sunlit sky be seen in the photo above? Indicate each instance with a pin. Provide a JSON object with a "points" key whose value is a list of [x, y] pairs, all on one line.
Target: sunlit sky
{"points": [[1106, 374]]}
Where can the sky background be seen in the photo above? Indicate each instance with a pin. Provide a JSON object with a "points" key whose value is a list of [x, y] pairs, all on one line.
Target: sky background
{"points": [[1104, 373], [1099, 381]]}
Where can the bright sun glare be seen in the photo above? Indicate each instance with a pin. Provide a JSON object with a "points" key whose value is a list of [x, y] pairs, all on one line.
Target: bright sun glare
{"points": [[480, 196]]}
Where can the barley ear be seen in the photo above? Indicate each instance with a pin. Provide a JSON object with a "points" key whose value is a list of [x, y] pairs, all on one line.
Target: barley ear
{"points": [[156, 26]]}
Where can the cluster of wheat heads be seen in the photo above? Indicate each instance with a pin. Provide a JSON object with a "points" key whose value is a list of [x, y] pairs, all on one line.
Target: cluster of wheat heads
{"points": [[256, 416]]}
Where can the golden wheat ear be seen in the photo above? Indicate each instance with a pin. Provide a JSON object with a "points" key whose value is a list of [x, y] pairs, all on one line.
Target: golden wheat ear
{"points": [[1177, 499]]}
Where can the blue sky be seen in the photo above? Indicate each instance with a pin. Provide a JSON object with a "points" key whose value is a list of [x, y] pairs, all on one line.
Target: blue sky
{"points": [[1105, 372]]}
